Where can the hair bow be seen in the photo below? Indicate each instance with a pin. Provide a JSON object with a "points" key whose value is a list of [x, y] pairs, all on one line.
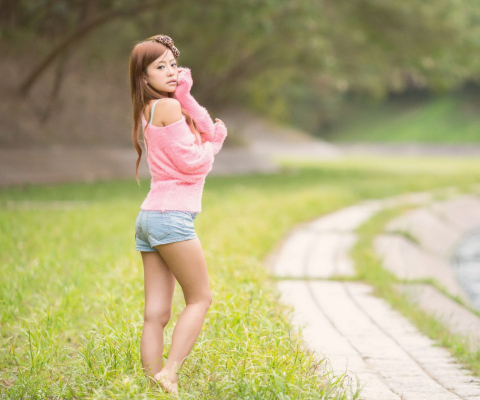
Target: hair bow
{"points": [[168, 41]]}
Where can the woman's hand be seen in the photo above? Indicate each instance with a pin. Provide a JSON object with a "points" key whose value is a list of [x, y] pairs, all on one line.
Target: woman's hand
{"points": [[184, 83], [220, 129]]}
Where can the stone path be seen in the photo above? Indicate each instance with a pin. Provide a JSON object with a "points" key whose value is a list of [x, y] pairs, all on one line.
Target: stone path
{"points": [[260, 143], [457, 318], [83, 164], [436, 230], [345, 322]]}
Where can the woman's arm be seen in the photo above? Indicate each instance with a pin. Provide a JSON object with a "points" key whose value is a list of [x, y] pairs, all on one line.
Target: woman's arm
{"points": [[199, 114]]}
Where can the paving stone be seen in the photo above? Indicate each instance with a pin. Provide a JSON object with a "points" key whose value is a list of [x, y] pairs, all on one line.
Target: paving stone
{"points": [[402, 373], [306, 253], [350, 218], [459, 319], [433, 233], [290, 260], [328, 255], [408, 198], [463, 212], [407, 261], [326, 341], [347, 219], [435, 361]]}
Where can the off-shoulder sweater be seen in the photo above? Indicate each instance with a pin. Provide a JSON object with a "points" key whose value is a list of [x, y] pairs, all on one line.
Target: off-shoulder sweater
{"points": [[178, 164]]}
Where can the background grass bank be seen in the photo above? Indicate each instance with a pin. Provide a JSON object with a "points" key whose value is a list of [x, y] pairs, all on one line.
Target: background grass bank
{"points": [[450, 118]]}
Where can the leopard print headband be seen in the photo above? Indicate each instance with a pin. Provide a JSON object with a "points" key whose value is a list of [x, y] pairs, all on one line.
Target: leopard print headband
{"points": [[168, 41]]}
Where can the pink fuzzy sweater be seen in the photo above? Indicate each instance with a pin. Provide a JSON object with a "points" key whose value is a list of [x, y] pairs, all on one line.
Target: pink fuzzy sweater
{"points": [[178, 164]]}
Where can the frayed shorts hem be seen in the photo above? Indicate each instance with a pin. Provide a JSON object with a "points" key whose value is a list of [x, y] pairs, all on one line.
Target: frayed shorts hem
{"points": [[165, 241]]}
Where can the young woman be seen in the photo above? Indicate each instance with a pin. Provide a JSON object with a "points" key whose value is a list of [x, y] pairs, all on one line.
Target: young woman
{"points": [[181, 141]]}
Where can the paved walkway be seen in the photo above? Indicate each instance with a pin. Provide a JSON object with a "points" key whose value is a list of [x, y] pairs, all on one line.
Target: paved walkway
{"points": [[357, 332], [422, 243], [260, 143], [58, 164]]}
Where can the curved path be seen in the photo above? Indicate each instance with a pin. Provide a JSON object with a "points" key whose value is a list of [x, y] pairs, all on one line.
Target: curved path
{"points": [[357, 332]]}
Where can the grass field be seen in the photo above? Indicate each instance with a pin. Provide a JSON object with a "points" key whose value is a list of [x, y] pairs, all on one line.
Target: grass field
{"points": [[451, 118], [71, 294]]}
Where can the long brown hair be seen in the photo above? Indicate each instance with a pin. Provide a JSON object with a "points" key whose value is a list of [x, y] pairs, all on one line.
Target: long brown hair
{"points": [[143, 54]]}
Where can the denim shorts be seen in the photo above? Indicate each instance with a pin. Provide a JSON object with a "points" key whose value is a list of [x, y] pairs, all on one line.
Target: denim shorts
{"points": [[160, 227]]}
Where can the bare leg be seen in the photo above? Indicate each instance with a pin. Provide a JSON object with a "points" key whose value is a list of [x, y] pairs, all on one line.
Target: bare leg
{"points": [[159, 287], [187, 263]]}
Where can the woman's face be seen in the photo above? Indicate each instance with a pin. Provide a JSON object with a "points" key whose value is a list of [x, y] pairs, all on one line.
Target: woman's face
{"points": [[162, 73]]}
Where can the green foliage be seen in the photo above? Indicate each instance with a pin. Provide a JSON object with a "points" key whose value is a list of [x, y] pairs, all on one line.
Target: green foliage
{"points": [[292, 60]]}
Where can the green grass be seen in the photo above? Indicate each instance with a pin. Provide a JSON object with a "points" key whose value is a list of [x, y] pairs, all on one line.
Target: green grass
{"points": [[71, 293], [452, 118]]}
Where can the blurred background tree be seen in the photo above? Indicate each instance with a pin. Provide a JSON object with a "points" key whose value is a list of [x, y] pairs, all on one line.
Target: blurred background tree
{"points": [[65, 62]]}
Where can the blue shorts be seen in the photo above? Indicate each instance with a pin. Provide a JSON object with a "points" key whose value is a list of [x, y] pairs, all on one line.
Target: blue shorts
{"points": [[160, 227]]}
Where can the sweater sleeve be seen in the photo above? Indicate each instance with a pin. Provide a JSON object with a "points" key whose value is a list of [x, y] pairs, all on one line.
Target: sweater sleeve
{"points": [[188, 157], [189, 103], [199, 114]]}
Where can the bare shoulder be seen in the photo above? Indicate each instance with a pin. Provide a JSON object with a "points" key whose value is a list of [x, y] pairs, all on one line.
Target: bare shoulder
{"points": [[167, 111]]}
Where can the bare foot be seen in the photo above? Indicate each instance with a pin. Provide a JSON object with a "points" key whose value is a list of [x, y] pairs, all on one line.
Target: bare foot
{"points": [[166, 384]]}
